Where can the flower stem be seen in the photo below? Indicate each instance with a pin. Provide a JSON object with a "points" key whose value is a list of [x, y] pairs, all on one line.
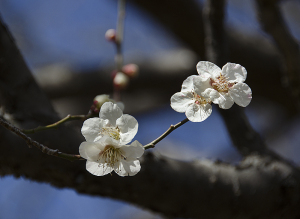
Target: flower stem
{"points": [[56, 124], [43, 148], [171, 129]]}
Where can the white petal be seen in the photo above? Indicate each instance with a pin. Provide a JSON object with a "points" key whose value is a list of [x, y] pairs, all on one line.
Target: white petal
{"points": [[128, 128], [133, 151], [241, 94], [200, 85], [107, 140], [91, 128], [180, 101], [90, 150], [205, 68], [234, 72], [222, 99], [121, 105], [198, 113], [188, 84], [128, 168], [111, 112], [98, 169], [210, 93]]}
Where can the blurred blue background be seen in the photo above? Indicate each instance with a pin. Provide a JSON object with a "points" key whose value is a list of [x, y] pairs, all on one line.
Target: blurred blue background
{"points": [[72, 32]]}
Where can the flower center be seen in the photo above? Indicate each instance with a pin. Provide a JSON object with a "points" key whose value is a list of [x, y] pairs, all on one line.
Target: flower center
{"points": [[111, 132], [200, 100], [221, 84], [111, 155]]}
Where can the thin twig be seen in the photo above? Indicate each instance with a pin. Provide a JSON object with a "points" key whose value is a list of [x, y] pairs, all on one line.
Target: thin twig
{"points": [[171, 129], [119, 42], [120, 33], [43, 148], [56, 124]]}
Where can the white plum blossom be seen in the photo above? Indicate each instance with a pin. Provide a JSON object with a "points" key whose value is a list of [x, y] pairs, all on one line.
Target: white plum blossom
{"points": [[226, 85], [107, 154], [197, 108], [112, 123]]}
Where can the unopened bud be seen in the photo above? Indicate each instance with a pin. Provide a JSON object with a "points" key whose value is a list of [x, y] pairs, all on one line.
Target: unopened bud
{"points": [[98, 101], [110, 35], [121, 80], [131, 70]]}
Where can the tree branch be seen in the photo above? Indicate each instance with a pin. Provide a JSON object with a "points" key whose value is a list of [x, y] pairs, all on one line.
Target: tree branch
{"points": [[165, 134], [271, 20], [259, 187], [58, 123], [43, 148], [243, 136]]}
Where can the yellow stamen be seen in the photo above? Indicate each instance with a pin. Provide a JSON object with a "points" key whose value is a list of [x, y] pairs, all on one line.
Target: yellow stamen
{"points": [[111, 155], [200, 100], [111, 132], [221, 84]]}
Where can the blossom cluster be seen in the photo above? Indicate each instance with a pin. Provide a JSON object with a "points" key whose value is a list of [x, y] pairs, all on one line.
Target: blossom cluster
{"points": [[107, 137], [106, 148], [213, 85]]}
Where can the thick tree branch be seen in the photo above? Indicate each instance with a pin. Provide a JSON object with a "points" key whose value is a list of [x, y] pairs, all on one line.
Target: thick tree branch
{"points": [[243, 136], [257, 188], [271, 19]]}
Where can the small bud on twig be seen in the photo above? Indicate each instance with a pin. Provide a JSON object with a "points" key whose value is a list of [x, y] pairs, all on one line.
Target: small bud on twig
{"points": [[131, 70], [121, 81], [110, 35]]}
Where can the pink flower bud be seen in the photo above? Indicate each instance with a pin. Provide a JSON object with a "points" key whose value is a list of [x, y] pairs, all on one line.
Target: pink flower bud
{"points": [[110, 35], [121, 81], [131, 70]]}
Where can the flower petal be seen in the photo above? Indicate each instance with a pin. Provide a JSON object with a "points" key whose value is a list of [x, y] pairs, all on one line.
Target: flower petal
{"points": [[188, 84], [234, 72], [210, 93], [241, 94], [201, 84], [90, 150], [121, 105], [133, 151], [224, 100], [180, 101], [128, 167], [205, 68], [128, 128], [198, 113], [91, 128], [111, 112], [107, 140], [98, 169]]}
